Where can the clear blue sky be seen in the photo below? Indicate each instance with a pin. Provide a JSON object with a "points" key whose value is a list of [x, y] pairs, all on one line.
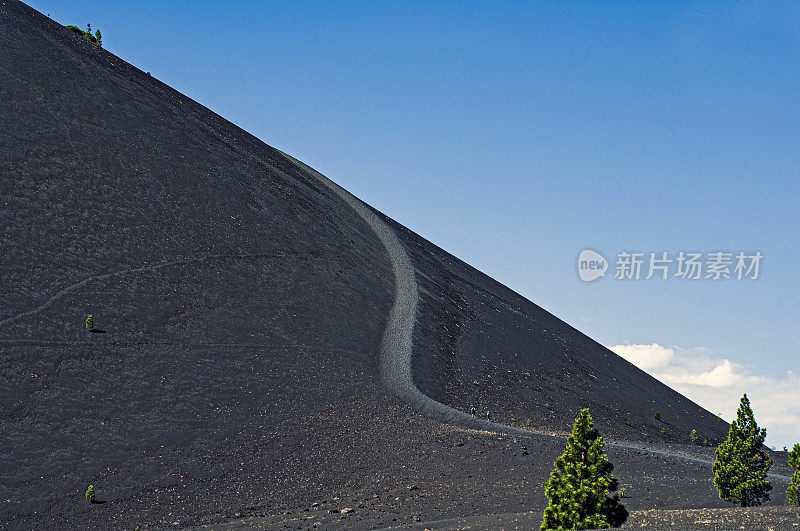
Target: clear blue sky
{"points": [[515, 135]]}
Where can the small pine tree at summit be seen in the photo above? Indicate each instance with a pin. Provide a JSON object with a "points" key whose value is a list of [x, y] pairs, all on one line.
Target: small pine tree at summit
{"points": [[740, 471], [580, 483], [96, 38]]}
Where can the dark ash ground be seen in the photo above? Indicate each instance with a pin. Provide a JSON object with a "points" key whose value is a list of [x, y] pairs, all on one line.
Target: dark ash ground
{"points": [[243, 306]]}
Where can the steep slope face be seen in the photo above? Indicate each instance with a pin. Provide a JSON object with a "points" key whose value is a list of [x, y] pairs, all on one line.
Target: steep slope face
{"points": [[235, 291], [243, 305], [479, 344]]}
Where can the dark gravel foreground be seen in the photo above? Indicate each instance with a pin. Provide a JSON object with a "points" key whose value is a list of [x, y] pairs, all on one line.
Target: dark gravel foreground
{"points": [[729, 519], [242, 306]]}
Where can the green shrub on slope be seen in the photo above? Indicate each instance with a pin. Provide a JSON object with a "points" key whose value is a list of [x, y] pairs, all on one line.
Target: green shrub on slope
{"points": [[97, 38]]}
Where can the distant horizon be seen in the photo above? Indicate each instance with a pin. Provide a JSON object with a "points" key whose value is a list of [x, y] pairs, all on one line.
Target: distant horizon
{"points": [[514, 137]]}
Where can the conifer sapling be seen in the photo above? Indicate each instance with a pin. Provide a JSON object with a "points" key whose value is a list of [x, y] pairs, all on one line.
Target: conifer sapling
{"points": [[580, 483], [740, 471]]}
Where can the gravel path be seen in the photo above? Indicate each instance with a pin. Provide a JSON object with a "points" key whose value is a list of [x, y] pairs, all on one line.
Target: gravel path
{"points": [[395, 358], [131, 270], [396, 346]]}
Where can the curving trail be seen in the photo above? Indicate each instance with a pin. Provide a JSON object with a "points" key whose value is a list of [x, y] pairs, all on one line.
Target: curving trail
{"points": [[395, 355], [72, 287], [396, 345]]}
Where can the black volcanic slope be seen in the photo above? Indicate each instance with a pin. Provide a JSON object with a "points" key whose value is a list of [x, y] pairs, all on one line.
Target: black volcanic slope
{"points": [[243, 305], [481, 343]]}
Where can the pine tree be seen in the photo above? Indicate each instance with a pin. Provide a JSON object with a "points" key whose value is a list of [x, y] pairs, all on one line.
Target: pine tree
{"points": [[580, 483], [793, 492], [97, 38], [740, 471]]}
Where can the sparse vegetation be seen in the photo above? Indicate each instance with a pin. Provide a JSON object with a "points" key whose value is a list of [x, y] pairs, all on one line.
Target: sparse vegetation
{"points": [[96, 38], [793, 492], [89, 322], [663, 431], [629, 423], [694, 436], [740, 471], [90, 494], [657, 415], [580, 484]]}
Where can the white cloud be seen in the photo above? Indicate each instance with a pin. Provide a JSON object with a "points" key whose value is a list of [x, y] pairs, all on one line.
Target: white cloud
{"points": [[646, 357], [723, 375], [717, 384]]}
